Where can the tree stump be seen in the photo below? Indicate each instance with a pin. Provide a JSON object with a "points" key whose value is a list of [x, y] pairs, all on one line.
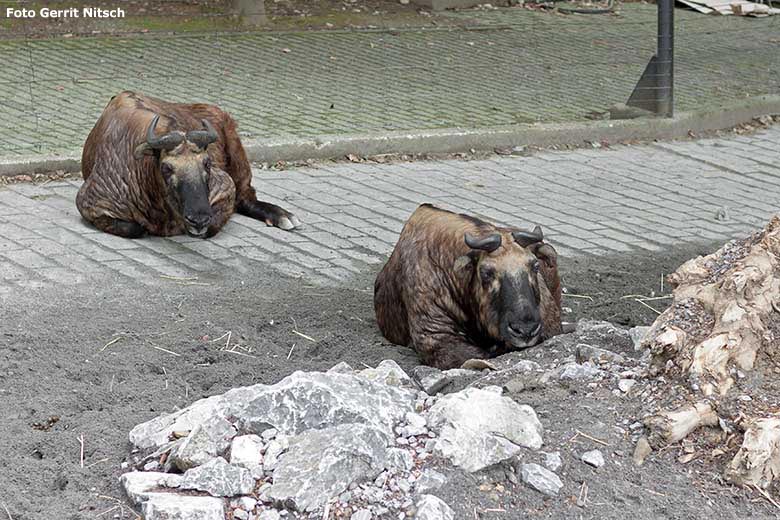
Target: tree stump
{"points": [[716, 348]]}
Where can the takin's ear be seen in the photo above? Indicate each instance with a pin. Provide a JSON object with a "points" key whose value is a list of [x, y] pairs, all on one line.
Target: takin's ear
{"points": [[546, 253], [141, 150], [463, 262]]}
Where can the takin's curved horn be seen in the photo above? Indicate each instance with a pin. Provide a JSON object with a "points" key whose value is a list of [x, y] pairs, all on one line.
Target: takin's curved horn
{"points": [[168, 141], [203, 138], [489, 243], [525, 238]]}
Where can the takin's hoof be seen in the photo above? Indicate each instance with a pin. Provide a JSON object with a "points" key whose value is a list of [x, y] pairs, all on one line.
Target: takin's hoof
{"points": [[477, 364], [288, 223]]}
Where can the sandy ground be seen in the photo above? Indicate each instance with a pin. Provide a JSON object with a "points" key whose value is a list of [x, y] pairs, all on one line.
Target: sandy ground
{"points": [[62, 377]]}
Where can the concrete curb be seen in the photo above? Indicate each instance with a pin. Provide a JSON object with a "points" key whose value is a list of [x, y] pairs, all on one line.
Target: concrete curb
{"points": [[451, 140]]}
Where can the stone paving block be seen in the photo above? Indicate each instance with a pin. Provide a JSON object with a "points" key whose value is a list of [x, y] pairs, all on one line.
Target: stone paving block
{"points": [[147, 258], [253, 253], [306, 260], [228, 240], [270, 245], [160, 245], [7, 245], [44, 247], [79, 263], [113, 242], [61, 275], [10, 210], [27, 258], [208, 249], [10, 272], [193, 261], [14, 231], [361, 256], [337, 273], [62, 236], [613, 245], [134, 272], [317, 250], [175, 271], [372, 244]]}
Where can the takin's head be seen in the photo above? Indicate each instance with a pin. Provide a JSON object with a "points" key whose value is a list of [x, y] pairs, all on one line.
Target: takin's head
{"points": [[508, 285], [185, 166]]}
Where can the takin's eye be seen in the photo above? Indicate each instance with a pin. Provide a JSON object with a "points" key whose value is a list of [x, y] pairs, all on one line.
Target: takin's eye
{"points": [[207, 164], [166, 169], [486, 274], [535, 266]]}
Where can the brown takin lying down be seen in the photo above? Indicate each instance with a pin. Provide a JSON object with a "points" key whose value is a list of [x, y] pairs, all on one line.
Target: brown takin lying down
{"points": [[163, 168], [457, 288]]}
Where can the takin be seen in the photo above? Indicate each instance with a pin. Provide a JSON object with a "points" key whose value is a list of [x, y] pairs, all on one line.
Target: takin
{"points": [[457, 289], [163, 168]]}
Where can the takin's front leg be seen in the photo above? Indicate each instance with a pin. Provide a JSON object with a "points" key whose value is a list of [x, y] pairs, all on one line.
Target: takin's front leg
{"points": [[96, 208], [239, 170], [222, 199], [445, 350], [121, 228]]}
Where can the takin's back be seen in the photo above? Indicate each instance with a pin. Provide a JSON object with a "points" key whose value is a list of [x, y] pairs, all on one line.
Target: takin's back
{"points": [[430, 239], [126, 118]]}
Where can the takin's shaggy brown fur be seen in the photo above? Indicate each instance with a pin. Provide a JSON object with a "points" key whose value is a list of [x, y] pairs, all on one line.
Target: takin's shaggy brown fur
{"points": [[137, 181], [457, 288]]}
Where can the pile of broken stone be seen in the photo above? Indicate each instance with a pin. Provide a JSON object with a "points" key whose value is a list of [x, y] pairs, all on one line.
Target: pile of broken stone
{"points": [[358, 444]]}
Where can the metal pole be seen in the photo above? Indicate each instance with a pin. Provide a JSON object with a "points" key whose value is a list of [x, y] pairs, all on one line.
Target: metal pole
{"points": [[665, 54], [654, 92]]}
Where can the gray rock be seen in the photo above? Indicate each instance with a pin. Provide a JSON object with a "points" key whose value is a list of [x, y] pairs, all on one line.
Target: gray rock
{"points": [[597, 355], [315, 400], [399, 459], [526, 365], [430, 480], [625, 385], [321, 464], [138, 485], [219, 479], [268, 434], [342, 368], [479, 428], [387, 372], [240, 514], [246, 503], [206, 441], [178, 507], [299, 402], [274, 450], [576, 371], [415, 424], [593, 458], [245, 451], [552, 461], [541, 479], [262, 493], [638, 335], [363, 514], [157, 431], [430, 507], [430, 379], [269, 514]]}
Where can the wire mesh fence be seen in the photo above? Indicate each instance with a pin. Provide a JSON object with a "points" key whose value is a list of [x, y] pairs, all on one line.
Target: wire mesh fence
{"points": [[329, 69]]}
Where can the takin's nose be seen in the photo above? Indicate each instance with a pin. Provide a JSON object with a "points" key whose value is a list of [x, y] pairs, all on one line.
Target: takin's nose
{"points": [[198, 222], [526, 330]]}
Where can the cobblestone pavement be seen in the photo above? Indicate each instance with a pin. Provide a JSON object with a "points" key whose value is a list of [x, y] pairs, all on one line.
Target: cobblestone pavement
{"points": [[588, 201], [486, 68]]}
